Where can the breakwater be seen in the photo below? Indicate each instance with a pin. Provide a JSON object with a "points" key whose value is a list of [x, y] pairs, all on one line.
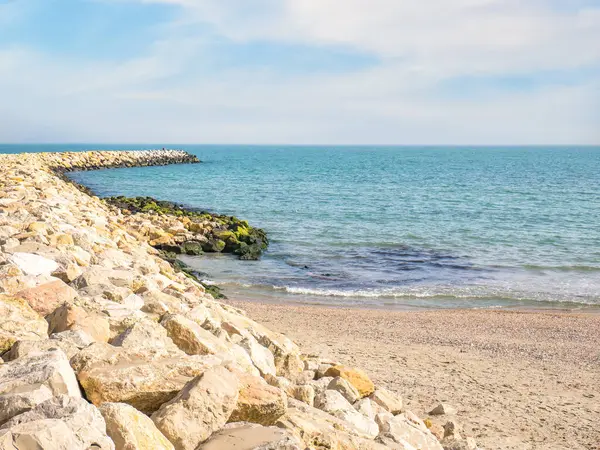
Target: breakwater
{"points": [[106, 345]]}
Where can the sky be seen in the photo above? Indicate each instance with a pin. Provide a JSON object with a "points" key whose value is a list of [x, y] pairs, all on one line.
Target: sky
{"points": [[405, 72]]}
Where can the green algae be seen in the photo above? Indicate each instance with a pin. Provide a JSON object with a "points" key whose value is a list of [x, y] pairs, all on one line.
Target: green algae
{"points": [[232, 235]]}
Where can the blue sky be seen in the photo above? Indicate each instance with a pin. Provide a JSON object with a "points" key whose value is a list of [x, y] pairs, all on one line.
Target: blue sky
{"points": [[300, 71]]}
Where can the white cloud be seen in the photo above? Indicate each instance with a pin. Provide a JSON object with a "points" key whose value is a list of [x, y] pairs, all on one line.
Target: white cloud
{"points": [[161, 96]]}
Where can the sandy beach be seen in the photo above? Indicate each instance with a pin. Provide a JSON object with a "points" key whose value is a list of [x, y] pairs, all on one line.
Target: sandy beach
{"points": [[519, 380]]}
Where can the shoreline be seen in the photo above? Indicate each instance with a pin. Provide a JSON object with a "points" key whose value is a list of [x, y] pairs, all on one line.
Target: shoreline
{"points": [[520, 380], [240, 295]]}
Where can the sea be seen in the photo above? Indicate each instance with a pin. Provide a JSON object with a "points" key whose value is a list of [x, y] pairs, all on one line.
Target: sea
{"points": [[390, 226]]}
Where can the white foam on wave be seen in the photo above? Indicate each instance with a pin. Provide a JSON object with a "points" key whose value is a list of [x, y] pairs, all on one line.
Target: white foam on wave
{"points": [[471, 292]]}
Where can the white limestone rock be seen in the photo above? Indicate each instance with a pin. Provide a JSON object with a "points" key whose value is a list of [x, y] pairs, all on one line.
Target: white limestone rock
{"points": [[400, 429], [387, 400], [342, 386], [335, 404], [261, 357], [59, 423], [32, 264], [27, 381], [202, 407], [191, 337]]}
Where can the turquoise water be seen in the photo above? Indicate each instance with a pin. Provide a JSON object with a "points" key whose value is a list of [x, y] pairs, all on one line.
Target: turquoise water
{"points": [[394, 227]]}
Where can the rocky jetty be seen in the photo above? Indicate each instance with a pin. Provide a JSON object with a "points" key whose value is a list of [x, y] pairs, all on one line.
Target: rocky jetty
{"points": [[178, 230], [105, 345]]}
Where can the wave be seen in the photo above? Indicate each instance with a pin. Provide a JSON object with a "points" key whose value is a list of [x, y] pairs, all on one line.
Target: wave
{"points": [[471, 293], [563, 268]]}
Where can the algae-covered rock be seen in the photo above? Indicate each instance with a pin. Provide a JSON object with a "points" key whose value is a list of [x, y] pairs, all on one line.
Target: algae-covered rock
{"points": [[214, 246], [192, 248], [209, 232]]}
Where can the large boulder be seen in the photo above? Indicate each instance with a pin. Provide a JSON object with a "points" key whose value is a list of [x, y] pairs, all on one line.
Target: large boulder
{"points": [[191, 337], [355, 377], [305, 393], [140, 379], [202, 407], [286, 354], [32, 264], [59, 423], [261, 357], [30, 380], [29, 347], [157, 302], [400, 429], [335, 404], [104, 276], [71, 317], [248, 436], [258, 402], [342, 386], [237, 356], [18, 322], [147, 335], [388, 400], [319, 430], [46, 297], [131, 430]]}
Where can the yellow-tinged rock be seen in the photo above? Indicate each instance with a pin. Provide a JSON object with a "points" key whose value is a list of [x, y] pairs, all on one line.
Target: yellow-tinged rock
{"points": [[131, 430], [195, 227], [355, 377], [36, 226], [258, 402], [157, 233], [18, 321], [165, 239], [63, 239]]}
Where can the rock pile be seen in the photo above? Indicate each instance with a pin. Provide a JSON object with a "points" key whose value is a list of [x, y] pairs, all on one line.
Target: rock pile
{"points": [[104, 345], [177, 230]]}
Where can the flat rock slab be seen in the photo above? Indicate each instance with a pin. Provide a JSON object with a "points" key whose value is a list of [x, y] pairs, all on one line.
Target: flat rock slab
{"points": [[138, 378], [245, 436], [32, 264]]}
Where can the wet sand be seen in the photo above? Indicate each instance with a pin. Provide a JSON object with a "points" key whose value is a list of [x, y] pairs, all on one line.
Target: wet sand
{"points": [[519, 380]]}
